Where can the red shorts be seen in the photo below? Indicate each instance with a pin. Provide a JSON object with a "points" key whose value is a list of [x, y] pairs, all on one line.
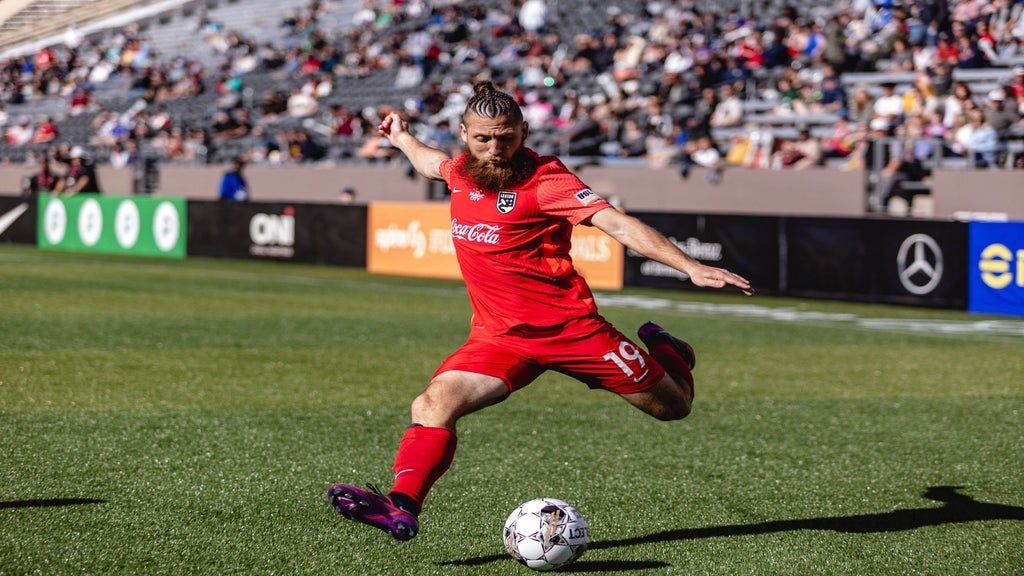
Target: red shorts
{"points": [[589, 349]]}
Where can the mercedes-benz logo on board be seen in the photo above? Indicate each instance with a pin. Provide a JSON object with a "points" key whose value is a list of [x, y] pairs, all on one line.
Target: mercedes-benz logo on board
{"points": [[919, 263]]}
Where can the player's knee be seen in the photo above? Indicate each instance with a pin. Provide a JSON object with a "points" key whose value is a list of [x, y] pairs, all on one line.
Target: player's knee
{"points": [[426, 409], [432, 408], [670, 411]]}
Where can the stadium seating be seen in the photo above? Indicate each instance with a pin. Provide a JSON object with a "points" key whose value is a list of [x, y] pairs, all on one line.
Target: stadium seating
{"points": [[248, 50]]}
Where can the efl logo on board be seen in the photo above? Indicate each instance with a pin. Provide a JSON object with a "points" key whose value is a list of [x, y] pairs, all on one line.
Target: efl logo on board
{"points": [[996, 268]]}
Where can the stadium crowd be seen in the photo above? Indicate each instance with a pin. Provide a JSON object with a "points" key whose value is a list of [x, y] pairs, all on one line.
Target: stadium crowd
{"points": [[672, 82]]}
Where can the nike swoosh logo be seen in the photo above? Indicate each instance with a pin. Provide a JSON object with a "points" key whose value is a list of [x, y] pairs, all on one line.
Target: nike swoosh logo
{"points": [[7, 219], [456, 190], [641, 377], [403, 471]]}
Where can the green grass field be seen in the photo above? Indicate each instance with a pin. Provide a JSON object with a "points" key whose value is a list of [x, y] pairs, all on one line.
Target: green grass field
{"points": [[186, 418]]}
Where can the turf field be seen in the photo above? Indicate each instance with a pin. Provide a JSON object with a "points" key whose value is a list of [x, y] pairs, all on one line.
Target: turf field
{"points": [[186, 418]]}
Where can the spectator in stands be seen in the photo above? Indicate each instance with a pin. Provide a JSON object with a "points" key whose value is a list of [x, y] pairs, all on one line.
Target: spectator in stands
{"points": [[533, 15], [233, 187], [43, 181], [729, 110], [302, 148], [80, 177], [800, 154], [862, 109], [1017, 84], [954, 103], [997, 114], [408, 74], [983, 141], [300, 104], [632, 140], [584, 136], [703, 153], [80, 101], [21, 133], [833, 96], [347, 195], [343, 123], [198, 146], [842, 141], [889, 105], [46, 131], [902, 168]]}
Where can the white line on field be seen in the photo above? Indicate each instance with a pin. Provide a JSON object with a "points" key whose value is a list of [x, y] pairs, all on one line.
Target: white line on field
{"points": [[786, 314], [1011, 328]]}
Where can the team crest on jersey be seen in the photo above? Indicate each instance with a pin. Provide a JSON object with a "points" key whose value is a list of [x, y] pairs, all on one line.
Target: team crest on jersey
{"points": [[506, 202]]}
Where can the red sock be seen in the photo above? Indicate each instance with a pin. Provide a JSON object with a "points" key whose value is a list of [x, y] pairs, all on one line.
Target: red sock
{"points": [[671, 361], [424, 455]]}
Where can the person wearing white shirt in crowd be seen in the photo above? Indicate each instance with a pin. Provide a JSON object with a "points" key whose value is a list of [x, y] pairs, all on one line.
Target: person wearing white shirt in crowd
{"points": [[889, 104], [729, 111], [300, 104], [533, 15], [21, 133]]}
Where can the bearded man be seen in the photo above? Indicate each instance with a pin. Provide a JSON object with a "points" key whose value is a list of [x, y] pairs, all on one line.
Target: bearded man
{"points": [[512, 216]]}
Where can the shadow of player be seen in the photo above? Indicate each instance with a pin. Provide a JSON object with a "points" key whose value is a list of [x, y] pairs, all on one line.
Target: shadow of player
{"points": [[957, 508], [49, 503]]}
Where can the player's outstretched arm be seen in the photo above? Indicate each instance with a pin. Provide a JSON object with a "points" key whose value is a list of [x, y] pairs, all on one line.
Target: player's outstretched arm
{"points": [[650, 243], [425, 159]]}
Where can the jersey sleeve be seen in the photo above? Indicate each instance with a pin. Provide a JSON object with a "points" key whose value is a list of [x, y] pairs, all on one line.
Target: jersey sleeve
{"points": [[562, 194], [446, 167]]}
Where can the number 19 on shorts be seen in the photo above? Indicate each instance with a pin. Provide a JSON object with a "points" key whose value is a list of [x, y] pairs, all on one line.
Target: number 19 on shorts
{"points": [[627, 353]]}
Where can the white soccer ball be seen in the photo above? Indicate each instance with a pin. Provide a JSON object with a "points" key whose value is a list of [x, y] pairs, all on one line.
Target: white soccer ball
{"points": [[546, 533]]}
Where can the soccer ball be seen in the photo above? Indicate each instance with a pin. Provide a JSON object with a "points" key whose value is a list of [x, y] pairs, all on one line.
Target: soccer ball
{"points": [[546, 533]]}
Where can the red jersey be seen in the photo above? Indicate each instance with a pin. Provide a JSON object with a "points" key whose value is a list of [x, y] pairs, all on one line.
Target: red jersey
{"points": [[513, 246]]}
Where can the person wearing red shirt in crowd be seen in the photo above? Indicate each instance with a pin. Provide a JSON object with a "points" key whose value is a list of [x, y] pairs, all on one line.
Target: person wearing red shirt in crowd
{"points": [[512, 214], [1018, 81], [45, 132], [947, 50]]}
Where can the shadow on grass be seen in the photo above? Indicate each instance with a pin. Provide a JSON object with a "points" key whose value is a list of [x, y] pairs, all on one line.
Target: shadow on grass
{"points": [[49, 503], [585, 566], [957, 508]]}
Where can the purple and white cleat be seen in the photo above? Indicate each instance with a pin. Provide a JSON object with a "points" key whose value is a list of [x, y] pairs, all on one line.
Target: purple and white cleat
{"points": [[371, 507], [651, 331]]}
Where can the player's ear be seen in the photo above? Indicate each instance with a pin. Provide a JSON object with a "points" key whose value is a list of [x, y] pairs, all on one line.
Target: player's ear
{"points": [[526, 130], [462, 133]]}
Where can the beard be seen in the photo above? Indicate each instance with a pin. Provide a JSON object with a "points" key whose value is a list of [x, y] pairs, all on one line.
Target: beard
{"points": [[500, 176]]}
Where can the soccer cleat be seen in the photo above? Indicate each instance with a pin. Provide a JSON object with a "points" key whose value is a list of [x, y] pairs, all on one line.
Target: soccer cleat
{"points": [[373, 508], [651, 331]]}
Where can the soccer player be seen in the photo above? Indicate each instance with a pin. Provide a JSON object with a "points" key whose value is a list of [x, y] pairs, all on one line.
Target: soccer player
{"points": [[512, 215]]}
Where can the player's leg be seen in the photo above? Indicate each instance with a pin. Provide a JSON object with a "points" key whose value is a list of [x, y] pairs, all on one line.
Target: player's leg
{"points": [[665, 400], [671, 398], [479, 374], [428, 445], [424, 454], [658, 382]]}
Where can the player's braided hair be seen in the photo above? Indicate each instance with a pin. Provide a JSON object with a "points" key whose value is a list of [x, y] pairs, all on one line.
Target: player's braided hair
{"points": [[489, 102]]}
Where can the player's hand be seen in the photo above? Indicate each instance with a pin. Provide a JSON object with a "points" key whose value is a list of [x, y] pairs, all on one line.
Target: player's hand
{"points": [[711, 277], [392, 127]]}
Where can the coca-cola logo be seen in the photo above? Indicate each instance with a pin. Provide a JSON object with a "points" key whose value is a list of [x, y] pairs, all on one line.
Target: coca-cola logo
{"points": [[482, 233]]}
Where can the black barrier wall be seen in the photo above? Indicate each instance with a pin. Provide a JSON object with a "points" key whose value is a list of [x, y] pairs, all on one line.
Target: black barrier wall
{"points": [[914, 262], [747, 243], [316, 233], [920, 263], [17, 220], [911, 262]]}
